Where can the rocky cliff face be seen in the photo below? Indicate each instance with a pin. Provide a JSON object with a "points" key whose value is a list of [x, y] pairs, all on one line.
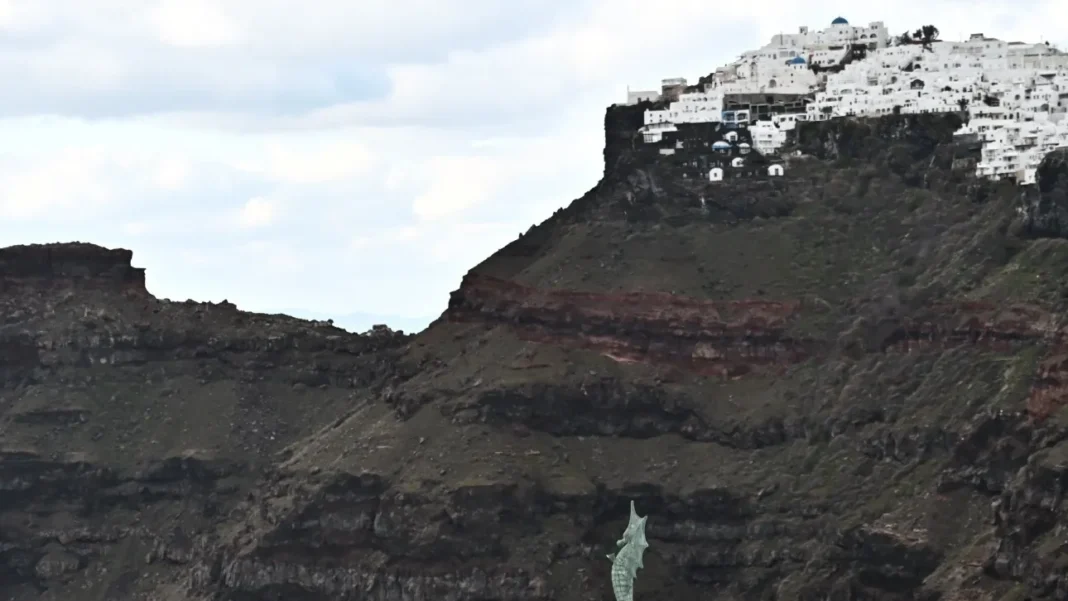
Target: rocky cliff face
{"points": [[844, 384], [131, 425], [1045, 206]]}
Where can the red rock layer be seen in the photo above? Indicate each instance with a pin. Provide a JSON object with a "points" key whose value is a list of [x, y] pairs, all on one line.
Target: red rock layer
{"points": [[1001, 327], [1050, 389], [972, 321], [716, 338], [735, 338]]}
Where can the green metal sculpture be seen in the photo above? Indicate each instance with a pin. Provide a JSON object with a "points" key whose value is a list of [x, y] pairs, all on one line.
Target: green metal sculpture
{"points": [[626, 562]]}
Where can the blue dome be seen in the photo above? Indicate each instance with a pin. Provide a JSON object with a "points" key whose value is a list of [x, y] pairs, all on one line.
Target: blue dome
{"points": [[797, 60], [839, 21]]}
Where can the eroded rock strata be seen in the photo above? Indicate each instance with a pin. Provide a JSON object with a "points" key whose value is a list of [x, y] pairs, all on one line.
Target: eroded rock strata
{"points": [[715, 338], [846, 383]]}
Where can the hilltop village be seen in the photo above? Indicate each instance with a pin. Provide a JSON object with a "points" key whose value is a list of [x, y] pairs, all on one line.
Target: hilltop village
{"points": [[1014, 96]]}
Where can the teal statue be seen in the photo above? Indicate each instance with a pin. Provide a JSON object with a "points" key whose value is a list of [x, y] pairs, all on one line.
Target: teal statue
{"points": [[632, 526], [628, 559]]}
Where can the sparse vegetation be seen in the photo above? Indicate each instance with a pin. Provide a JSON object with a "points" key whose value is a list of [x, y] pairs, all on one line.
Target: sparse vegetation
{"points": [[925, 36]]}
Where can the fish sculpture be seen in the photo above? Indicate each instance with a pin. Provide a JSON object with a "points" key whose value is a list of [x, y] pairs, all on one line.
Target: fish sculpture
{"points": [[627, 561], [632, 526]]}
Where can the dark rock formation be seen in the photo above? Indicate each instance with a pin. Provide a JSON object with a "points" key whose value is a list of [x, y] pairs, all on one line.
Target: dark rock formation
{"points": [[71, 265], [131, 425], [1045, 206], [622, 140], [846, 383]]}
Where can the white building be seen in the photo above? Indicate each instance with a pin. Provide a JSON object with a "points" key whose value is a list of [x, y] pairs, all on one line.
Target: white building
{"points": [[770, 135], [1015, 94], [838, 34]]}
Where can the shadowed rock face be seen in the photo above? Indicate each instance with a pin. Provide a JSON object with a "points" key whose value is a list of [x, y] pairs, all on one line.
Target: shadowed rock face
{"points": [[846, 383], [1045, 206], [70, 265], [130, 424]]}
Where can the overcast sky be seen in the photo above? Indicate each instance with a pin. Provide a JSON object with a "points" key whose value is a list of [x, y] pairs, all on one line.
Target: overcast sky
{"points": [[344, 156]]}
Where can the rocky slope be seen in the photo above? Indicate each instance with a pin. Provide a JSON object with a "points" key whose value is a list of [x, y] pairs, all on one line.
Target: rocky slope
{"points": [[845, 384], [130, 424]]}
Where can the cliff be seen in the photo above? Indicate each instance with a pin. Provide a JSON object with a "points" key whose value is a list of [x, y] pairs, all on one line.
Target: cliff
{"points": [[69, 265], [845, 383], [1045, 206], [129, 422]]}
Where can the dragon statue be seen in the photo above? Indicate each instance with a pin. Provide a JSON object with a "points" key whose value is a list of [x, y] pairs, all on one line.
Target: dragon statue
{"points": [[628, 559]]}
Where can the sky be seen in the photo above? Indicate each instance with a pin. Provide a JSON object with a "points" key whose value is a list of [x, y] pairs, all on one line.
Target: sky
{"points": [[353, 157]]}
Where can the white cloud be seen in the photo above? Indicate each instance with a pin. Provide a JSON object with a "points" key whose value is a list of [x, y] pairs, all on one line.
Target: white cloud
{"points": [[172, 173], [7, 14], [92, 180], [274, 255], [78, 67], [17, 16], [311, 165], [398, 178], [386, 237], [528, 81], [465, 243], [135, 228], [66, 185], [234, 57], [458, 183], [257, 212], [194, 24]]}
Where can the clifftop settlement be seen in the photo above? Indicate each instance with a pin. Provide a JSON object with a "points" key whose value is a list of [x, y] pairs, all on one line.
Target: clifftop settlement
{"points": [[1014, 94]]}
